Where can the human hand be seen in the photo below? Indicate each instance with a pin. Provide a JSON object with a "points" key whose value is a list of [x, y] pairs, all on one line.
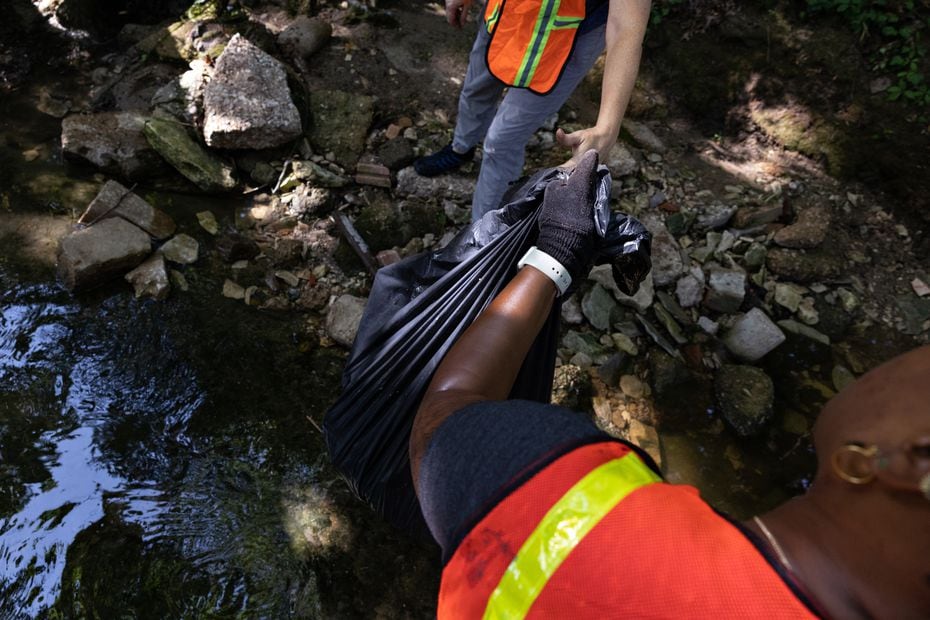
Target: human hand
{"points": [[457, 12], [583, 140], [567, 231]]}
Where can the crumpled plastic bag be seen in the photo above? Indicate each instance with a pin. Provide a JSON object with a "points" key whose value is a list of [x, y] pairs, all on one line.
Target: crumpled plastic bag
{"points": [[416, 311]]}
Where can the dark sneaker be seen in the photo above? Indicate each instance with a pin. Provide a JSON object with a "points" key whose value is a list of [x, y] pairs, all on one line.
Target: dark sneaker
{"points": [[442, 161]]}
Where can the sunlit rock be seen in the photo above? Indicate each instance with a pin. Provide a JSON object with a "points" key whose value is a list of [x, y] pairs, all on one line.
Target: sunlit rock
{"points": [[150, 279], [93, 255], [247, 103]]}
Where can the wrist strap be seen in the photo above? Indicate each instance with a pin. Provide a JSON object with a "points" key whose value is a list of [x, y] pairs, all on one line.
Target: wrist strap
{"points": [[552, 268]]}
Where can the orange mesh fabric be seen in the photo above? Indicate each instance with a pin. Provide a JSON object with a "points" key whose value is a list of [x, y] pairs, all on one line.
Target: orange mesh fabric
{"points": [[661, 553]]}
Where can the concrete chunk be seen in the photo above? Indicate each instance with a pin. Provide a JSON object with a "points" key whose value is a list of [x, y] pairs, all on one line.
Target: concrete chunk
{"points": [[753, 335], [93, 255], [114, 200]]}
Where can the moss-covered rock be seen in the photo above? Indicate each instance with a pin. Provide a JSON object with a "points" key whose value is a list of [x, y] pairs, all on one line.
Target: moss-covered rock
{"points": [[800, 129], [204, 169], [380, 226], [745, 395], [339, 123]]}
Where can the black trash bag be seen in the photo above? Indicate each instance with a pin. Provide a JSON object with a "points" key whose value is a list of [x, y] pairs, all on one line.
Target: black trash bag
{"points": [[419, 307]]}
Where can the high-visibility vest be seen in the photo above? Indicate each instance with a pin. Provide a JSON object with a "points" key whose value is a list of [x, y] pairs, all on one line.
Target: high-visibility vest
{"points": [[597, 534], [531, 40]]}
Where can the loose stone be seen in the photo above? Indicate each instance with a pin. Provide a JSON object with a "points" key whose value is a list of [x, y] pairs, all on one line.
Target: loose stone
{"points": [[150, 279], [753, 335]]}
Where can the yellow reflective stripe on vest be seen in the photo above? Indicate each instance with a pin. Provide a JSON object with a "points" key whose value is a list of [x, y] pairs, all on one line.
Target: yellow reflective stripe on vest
{"points": [[561, 530]]}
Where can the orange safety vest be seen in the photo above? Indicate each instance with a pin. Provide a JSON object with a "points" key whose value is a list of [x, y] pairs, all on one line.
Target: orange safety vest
{"points": [[531, 40], [597, 534]]}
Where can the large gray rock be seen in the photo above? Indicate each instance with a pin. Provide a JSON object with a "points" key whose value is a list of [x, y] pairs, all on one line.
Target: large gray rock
{"points": [[247, 104], [340, 123], [182, 250], [150, 279], [642, 136], [621, 161], [111, 141], [449, 186], [745, 395], [91, 256], [753, 335], [725, 290], [689, 290], [343, 319], [114, 200], [171, 140]]}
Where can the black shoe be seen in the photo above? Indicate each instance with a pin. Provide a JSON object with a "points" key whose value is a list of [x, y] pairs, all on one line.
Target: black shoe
{"points": [[442, 161]]}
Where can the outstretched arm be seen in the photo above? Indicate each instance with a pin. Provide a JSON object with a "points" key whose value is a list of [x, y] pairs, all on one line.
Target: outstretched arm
{"points": [[483, 364], [626, 27]]}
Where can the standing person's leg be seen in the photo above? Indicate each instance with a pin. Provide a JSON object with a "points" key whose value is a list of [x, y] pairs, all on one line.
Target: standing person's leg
{"points": [[478, 100], [522, 113]]}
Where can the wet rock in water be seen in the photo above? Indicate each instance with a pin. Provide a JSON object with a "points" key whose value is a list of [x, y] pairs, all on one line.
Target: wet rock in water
{"points": [[449, 186], [598, 307], [681, 395], [396, 153], [571, 311], [621, 161], [94, 255], [305, 36], [247, 103], [646, 438], [571, 388], [233, 290], [753, 335], [207, 221], [182, 97], [804, 266], [171, 140], [808, 232], [114, 200], [182, 250], [642, 136], [725, 290], [233, 247], [113, 142], [150, 279], [632, 386], [745, 395], [666, 258], [343, 318], [340, 123]]}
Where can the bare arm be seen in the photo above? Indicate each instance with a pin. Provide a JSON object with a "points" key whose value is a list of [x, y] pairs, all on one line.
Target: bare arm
{"points": [[484, 363], [626, 27]]}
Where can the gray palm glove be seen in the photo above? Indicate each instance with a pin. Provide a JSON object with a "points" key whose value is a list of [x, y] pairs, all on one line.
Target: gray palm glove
{"points": [[567, 230]]}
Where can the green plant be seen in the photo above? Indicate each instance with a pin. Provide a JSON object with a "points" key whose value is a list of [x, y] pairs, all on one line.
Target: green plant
{"points": [[894, 34]]}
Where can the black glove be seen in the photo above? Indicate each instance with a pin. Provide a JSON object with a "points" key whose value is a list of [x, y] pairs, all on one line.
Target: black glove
{"points": [[567, 231]]}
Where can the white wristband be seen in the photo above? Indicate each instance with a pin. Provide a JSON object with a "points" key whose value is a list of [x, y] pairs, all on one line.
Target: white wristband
{"points": [[549, 266]]}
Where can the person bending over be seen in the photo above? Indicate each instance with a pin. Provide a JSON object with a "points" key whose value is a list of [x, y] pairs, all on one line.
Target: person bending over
{"points": [[540, 514], [543, 49]]}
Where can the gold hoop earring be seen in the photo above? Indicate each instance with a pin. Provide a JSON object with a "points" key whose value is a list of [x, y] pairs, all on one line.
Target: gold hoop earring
{"points": [[925, 486], [868, 453]]}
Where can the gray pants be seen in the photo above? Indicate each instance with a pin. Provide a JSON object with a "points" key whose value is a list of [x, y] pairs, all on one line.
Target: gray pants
{"points": [[506, 128]]}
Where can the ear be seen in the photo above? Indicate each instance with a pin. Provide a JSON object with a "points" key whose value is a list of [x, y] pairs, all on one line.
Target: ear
{"points": [[907, 468]]}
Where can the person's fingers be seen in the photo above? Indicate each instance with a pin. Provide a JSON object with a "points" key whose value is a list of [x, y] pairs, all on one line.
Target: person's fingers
{"points": [[568, 140], [453, 10]]}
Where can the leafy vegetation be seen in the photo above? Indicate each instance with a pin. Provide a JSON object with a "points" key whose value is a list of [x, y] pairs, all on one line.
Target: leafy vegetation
{"points": [[894, 34]]}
